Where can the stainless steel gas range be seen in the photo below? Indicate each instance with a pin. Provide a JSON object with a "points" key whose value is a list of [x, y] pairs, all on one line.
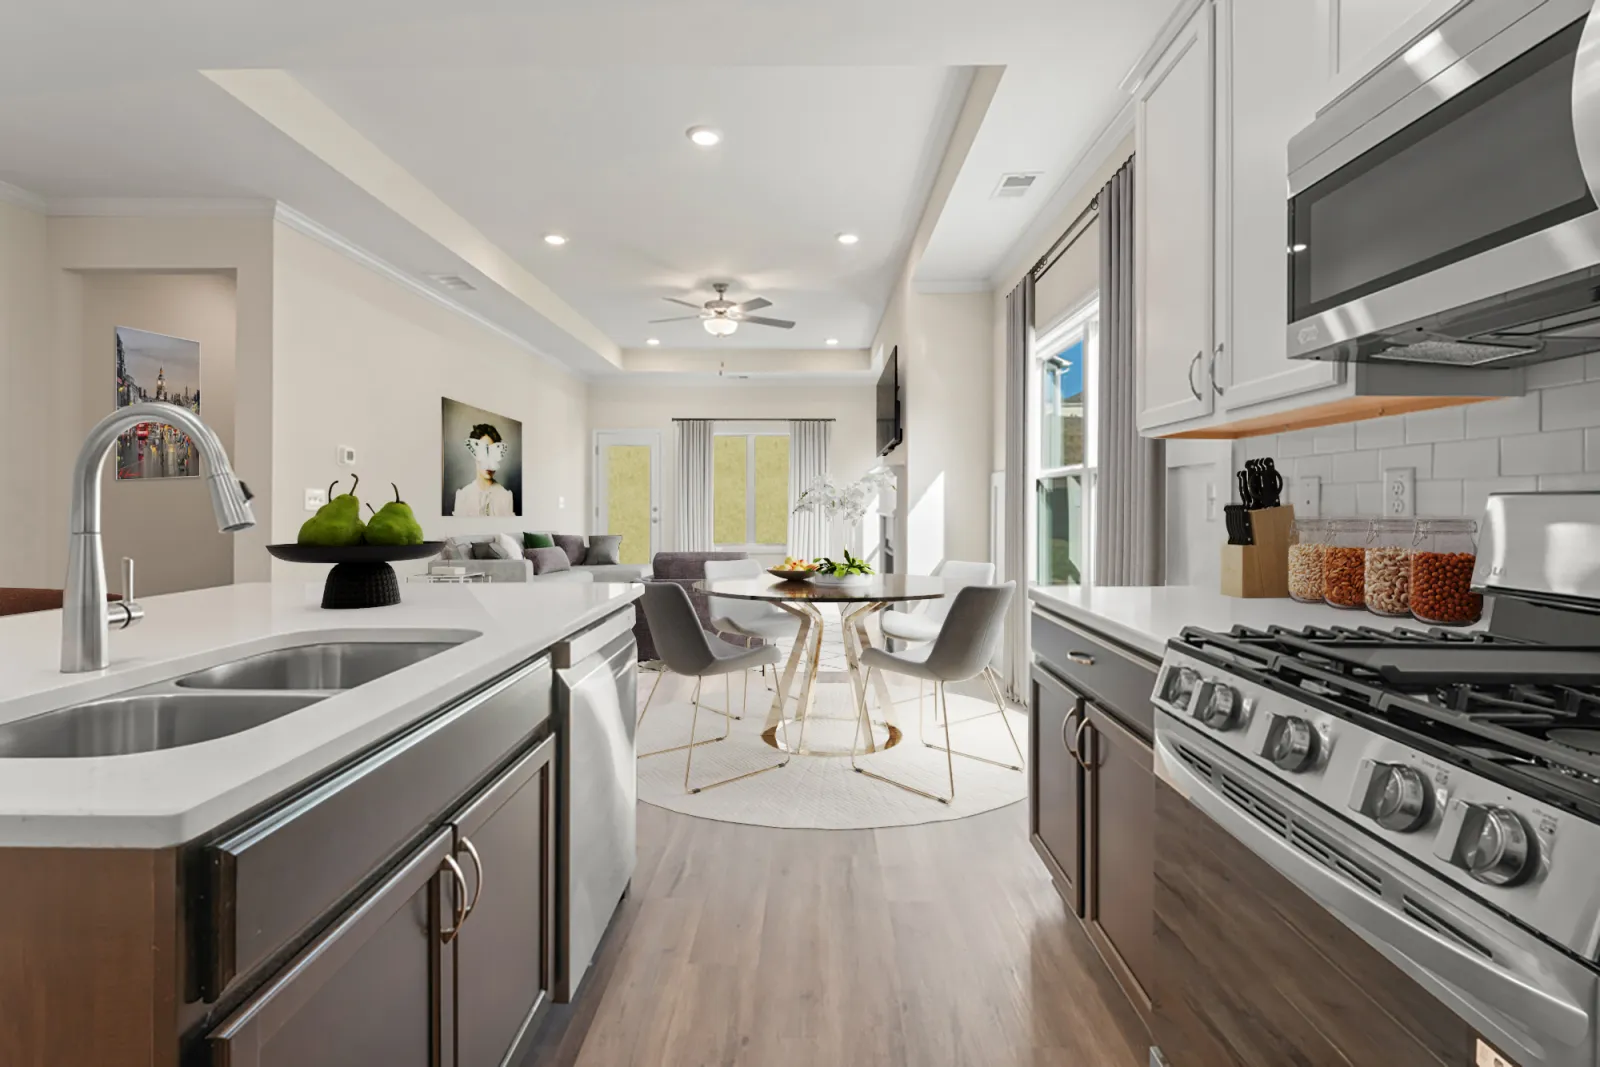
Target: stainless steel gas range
{"points": [[1438, 792]]}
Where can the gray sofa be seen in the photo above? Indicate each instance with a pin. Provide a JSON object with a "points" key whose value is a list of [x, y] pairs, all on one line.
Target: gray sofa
{"points": [[458, 552]]}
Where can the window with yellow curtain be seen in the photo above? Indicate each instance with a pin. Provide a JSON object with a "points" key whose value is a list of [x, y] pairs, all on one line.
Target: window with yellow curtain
{"points": [[750, 490]]}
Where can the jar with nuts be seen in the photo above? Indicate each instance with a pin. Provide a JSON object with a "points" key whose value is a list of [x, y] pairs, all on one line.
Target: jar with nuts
{"points": [[1344, 563], [1388, 572], [1441, 573], [1305, 560]]}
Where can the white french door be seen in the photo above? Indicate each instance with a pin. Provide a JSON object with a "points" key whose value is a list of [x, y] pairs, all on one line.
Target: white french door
{"points": [[627, 490]]}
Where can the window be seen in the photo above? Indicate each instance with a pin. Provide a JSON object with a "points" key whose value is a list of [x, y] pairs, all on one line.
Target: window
{"points": [[1064, 454], [750, 490]]}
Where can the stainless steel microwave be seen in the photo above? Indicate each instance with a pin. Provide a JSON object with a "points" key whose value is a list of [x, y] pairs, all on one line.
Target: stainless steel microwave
{"points": [[1443, 209]]}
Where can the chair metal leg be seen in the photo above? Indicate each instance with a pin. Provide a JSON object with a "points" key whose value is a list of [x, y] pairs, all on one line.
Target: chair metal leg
{"points": [[863, 721], [674, 748], [727, 727], [1021, 760], [660, 674]]}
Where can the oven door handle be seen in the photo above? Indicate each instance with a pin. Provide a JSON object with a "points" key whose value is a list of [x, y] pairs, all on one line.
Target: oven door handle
{"points": [[1413, 947]]}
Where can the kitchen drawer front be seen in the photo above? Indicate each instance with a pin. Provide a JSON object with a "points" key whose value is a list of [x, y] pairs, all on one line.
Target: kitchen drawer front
{"points": [[1120, 679], [267, 884]]}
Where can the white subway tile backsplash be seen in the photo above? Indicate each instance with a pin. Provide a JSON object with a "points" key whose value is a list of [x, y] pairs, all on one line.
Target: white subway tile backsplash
{"points": [[1439, 497], [1340, 438], [1440, 424], [1568, 483], [1556, 372], [1338, 500], [1591, 450], [1315, 466], [1390, 431], [1369, 498], [1261, 447], [1572, 406], [1500, 418], [1474, 494], [1356, 467], [1591, 366], [1418, 457], [1296, 443], [1542, 453], [1467, 459]]}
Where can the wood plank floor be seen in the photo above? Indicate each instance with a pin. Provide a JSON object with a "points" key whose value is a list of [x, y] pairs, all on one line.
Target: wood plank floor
{"points": [[927, 946]]}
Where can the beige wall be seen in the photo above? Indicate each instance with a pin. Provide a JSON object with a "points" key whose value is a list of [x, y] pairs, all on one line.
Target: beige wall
{"points": [[625, 406], [32, 532], [361, 361], [165, 525]]}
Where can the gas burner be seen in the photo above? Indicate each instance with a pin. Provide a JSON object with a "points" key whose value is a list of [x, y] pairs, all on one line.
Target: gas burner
{"points": [[1583, 739]]}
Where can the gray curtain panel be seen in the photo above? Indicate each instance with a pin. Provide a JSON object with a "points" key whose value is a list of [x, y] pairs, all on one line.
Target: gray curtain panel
{"points": [[1131, 491], [809, 442], [1014, 553], [694, 485]]}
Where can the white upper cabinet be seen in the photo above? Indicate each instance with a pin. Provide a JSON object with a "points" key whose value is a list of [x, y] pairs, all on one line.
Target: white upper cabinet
{"points": [[1357, 33], [1173, 227]]}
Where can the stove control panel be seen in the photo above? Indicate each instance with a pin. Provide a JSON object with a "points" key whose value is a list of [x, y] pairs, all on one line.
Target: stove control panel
{"points": [[1220, 706], [1396, 796], [1291, 743], [1493, 844]]}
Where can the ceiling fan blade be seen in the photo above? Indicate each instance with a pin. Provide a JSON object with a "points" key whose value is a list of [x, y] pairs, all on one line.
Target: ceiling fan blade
{"points": [[685, 303], [678, 318], [782, 324], [753, 305]]}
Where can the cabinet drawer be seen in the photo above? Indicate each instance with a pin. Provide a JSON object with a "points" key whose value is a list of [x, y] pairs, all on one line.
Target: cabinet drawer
{"points": [[1120, 679], [268, 884]]}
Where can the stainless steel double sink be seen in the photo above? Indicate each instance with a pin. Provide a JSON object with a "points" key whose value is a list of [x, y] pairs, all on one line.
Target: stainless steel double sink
{"points": [[217, 701]]}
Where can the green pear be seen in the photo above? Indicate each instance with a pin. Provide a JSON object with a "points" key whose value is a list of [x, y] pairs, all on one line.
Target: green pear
{"points": [[394, 523], [338, 522]]}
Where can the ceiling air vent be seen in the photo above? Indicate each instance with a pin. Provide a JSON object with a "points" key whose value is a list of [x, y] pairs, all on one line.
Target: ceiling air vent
{"points": [[1014, 185], [453, 282]]}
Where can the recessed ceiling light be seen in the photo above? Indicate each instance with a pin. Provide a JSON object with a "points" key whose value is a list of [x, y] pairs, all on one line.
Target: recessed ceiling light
{"points": [[652, 340], [848, 238], [704, 136], [1297, 248], [554, 239], [831, 341]]}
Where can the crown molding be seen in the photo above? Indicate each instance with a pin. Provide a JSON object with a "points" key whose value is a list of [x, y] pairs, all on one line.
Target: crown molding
{"points": [[14, 194], [309, 227], [158, 207], [1177, 19]]}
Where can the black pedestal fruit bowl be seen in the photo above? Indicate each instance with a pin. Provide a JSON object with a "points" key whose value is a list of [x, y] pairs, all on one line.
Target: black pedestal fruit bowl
{"points": [[361, 575]]}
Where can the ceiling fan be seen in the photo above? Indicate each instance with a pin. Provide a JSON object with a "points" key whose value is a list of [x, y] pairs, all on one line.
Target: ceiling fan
{"points": [[722, 316]]}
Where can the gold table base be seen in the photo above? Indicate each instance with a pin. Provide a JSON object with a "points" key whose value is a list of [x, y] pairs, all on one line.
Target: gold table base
{"points": [[808, 645]]}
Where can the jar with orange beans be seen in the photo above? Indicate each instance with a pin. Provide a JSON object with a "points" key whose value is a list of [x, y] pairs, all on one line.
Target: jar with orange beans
{"points": [[1441, 573]]}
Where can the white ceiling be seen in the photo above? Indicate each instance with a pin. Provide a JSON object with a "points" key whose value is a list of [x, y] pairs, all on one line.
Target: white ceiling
{"points": [[530, 116]]}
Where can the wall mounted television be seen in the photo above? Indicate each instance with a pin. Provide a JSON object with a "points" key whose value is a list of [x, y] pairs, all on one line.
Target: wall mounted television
{"points": [[891, 426]]}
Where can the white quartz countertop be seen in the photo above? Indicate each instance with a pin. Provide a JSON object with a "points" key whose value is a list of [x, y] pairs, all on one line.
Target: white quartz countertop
{"points": [[156, 799], [1146, 617]]}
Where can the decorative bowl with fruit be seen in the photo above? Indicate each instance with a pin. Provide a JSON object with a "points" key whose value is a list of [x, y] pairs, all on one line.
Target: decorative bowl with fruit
{"points": [[848, 571], [794, 570]]}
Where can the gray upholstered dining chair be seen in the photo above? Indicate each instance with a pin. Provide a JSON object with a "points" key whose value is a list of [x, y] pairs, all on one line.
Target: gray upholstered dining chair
{"points": [[922, 624], [966, 642], [688, 650], [747, 618]]}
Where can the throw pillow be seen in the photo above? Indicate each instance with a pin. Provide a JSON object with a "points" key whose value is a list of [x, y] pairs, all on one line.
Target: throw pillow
{"points": [[572, 545], [604, 550], [547, 560], [485, 550], [510, 546], [537, 540]]}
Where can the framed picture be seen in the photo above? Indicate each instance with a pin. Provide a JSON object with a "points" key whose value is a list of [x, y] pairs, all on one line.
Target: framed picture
{"points": [[481, 463], [155, 367]]}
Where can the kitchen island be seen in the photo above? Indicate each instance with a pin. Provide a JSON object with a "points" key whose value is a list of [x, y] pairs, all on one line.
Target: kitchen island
{"points": [[378, 867]]}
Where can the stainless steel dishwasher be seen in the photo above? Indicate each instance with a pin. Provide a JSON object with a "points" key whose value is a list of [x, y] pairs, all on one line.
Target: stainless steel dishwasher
{"points": [[596, 788]]}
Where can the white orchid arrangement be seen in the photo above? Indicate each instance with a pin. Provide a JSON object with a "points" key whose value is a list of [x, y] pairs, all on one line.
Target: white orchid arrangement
{"points": [[849, 500]]}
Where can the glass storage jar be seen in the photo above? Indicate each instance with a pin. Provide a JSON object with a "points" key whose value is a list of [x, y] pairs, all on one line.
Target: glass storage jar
{"points": [[1442, 559], [1388, 566], [1306, 547], [1344, 563]]}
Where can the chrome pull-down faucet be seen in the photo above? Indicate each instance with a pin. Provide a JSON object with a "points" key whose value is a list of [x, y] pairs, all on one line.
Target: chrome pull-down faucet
{"points": [[85, 615]]}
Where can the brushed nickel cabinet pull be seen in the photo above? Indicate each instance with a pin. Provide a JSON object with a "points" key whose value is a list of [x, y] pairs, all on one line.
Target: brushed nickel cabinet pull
{"points": [[458, 900], [1083, 659], [477, 868]]}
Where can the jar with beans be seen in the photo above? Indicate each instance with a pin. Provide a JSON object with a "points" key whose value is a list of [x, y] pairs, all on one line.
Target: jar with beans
{"points": [[1305, 560], [1441, 573], [1388, 568], [1344, 563]]}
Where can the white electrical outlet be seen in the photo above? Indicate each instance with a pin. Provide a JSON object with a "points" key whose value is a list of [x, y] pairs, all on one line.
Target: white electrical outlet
{"points": [[315, 498], [347, 456], [1306, 494], [1400, 492]]}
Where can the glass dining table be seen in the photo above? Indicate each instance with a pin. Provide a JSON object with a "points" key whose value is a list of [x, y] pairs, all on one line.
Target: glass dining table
{"points": [[856, 602]]}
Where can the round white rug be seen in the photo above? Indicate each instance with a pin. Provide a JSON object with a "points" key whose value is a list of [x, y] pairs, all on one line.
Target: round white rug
{"points": [[823, 792]]}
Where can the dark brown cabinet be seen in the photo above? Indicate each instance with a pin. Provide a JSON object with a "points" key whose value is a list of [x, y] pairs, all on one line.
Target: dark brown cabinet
{"points": [[1055, 794]]}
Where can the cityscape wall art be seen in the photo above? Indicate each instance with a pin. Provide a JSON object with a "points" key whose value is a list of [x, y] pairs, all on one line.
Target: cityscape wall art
{"points": [[153, 367]]}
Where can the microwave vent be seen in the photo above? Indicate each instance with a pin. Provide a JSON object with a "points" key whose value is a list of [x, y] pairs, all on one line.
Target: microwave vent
{"points": [[1454, 353]]}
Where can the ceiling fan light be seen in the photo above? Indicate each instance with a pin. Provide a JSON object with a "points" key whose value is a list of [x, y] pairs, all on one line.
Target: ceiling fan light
{"points": [[720, 327]]}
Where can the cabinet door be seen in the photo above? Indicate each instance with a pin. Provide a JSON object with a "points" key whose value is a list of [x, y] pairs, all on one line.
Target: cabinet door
{"points": [[504, 952], [373, 989], [1055, 785], [1267, 92], [1173, 199], [1357, 35], [1120, 866]]}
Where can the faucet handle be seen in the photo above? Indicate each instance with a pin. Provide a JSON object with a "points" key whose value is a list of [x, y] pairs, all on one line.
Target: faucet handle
{"points": [[127, 611], [127, 579]]}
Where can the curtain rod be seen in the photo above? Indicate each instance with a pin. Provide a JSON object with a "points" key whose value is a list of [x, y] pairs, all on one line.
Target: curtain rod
{"points": [[763, 418], [1069, 237]]}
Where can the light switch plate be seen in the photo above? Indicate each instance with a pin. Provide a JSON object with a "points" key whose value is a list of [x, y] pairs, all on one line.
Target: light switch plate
{"points": [[315, 498], [1306, 495], [1488, 1057], [1400, 492]]}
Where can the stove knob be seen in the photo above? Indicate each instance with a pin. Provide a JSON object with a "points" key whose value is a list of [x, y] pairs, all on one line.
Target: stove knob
{"points": [[1294, 744], [1219, 707], [1500, 849], [1183, 686], [1401, 798]]}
